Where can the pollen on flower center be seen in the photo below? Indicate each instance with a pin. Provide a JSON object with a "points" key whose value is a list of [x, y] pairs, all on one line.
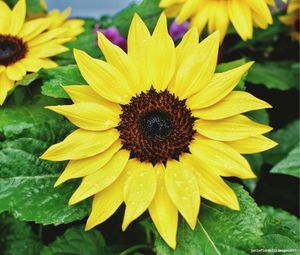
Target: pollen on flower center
{"points": [[156, 126], [12, 49]]}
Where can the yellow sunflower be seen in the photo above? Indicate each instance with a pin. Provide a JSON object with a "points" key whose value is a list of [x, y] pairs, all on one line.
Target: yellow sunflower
{"points": [[217, 14], [25, 46], [292, 19], [157, 129]]}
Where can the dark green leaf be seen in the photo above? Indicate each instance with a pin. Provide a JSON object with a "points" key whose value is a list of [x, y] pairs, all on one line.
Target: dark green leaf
{"points": [[289, 165], [274, 75], [219, 230], [17, 237], [256, 162], [148, 10], [287, 138], [55, 78], [76, 241], [281, 230], [26, 182]]}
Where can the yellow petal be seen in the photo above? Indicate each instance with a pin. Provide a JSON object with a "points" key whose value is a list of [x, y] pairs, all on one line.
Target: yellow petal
{"points": [[139, 190], [253, 144], [198, 70], [138, 43], [259, 21], [17, 17], [87, 166], [90, 116], [235, 103], [120, 60], [261, 8], [220, 86], [220, 157], [35, 64], [105, 79], [46, 50], [201, 17], [5, 86], [16, 71], [102, 178], [162, 210], [230, 129], [241, 18], [46, 36], [187, 46], [105, 203], [34, 27], [81, 144], [183, 189], [188, 9], [161, 56], [211, 186], [85, 94], [5, 18], [220, 19]]}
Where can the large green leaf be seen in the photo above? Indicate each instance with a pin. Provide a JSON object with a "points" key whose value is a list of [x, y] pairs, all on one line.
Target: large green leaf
{"points": [[282, 75], [76, 241], [55, 78], [219, 230], [17, 237], [289, 165], [287, 138], [281, 231], [26, 182], [148, 9]]}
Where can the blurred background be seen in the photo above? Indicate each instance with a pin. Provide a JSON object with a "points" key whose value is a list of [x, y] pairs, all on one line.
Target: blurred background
{"points": [[90, 8]]}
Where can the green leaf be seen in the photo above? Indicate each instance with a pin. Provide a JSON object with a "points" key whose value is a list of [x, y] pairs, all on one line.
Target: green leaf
{"points": [[287, 138], [17, 237], [28, 79], [76, 241], [26, 182], [231, 65], [281, 230], [279, 75], [55, 78], [219, 230], [148, 10], [289, 165], [256, 162]]}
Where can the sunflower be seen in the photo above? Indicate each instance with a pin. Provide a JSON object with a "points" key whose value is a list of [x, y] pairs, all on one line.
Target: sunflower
{"points": [[157, 129], [25, 46], [243, 14], [292, 19]]}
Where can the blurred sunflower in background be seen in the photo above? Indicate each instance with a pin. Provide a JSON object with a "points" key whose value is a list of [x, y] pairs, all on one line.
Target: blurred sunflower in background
{"points": [[157, 129], [26, 46], [292, 19], [217, 15]]}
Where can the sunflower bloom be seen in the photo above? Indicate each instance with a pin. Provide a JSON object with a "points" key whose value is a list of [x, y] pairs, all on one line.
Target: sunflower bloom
{"points": [[26, 46], [217, 15], [292, 19], [157, 129]]}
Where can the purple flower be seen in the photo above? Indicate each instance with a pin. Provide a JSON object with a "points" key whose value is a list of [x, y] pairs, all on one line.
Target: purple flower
{"points": [[177, 31], [113, 35]]}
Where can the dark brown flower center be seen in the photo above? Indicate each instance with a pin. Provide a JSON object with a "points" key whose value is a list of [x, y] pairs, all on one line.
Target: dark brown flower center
{"points": [[12, 49], [156, 126]]}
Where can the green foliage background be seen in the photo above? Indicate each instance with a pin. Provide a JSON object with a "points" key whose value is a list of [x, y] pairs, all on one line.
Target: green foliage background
{"points": [[36, 219]]}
